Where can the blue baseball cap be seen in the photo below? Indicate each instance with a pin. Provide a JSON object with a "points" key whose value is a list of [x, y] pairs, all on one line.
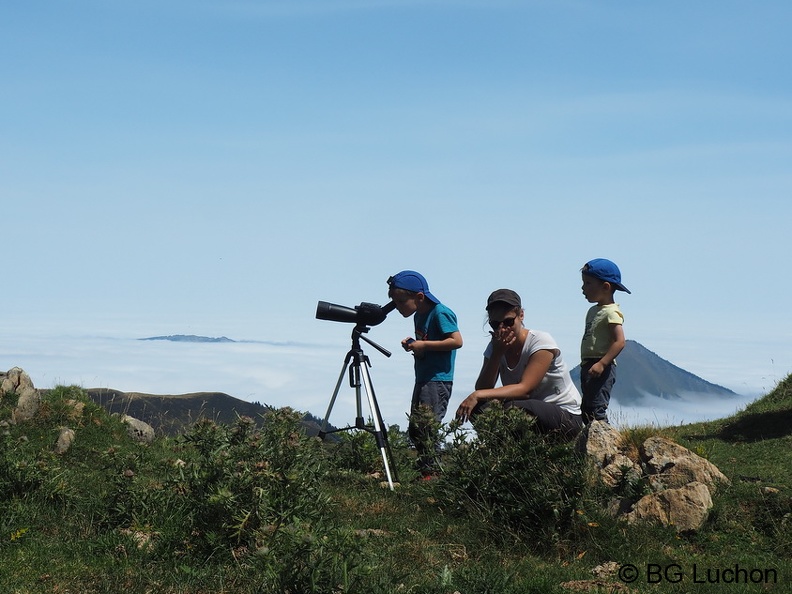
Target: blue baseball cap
{"points": [[409, 280], [605, 270]]}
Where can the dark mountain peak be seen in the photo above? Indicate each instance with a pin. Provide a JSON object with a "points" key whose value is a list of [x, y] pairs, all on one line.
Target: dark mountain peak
{"points": [[640, 373]]}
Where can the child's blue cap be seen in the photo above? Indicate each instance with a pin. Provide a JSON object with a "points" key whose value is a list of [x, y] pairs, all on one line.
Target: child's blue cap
{"points": [[410, 280], [605, 270]]}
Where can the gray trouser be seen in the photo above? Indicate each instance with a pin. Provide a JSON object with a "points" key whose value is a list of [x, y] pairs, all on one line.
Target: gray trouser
{"points": [[434, 397]]}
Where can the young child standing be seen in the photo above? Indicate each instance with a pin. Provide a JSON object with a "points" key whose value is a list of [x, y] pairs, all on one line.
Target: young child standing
{"points": [[603, 338], [434, 347]]}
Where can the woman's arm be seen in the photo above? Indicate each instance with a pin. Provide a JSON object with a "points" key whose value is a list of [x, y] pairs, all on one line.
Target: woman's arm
{"points": [[488, 374], [532, 376]]}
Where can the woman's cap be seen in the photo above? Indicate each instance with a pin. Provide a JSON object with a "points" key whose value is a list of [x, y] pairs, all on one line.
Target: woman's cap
{"points": [[506, 296], [606, 271], [409, 280]]}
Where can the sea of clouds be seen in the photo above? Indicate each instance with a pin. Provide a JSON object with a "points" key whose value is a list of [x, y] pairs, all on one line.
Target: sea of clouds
{"points": [[300, 375]]}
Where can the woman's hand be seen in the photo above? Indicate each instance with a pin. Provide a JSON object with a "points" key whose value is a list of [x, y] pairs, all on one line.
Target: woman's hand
{"points": [[466, 407], [502, 338]]}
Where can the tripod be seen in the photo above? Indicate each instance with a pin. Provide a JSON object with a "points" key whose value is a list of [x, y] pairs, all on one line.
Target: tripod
{"points": [[358, 363]]}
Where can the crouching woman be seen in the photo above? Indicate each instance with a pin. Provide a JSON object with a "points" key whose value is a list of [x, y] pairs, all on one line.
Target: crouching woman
{"points": [[533, 375]]}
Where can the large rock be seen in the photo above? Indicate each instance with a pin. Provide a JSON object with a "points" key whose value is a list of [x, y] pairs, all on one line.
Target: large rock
{"points": [[12, 379], [685, 508], [29, 399], [670, 466], [599, 442], [675, 475]]}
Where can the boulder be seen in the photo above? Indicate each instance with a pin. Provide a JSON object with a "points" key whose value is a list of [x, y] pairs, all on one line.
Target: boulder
{"points": [[675, 475], [669, 466], [685, 508], [138, 430], [28, 398]]}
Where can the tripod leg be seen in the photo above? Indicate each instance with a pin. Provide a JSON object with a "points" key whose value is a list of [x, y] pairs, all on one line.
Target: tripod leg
{"points": [[323, 431], [379, 433], [384, 431]]}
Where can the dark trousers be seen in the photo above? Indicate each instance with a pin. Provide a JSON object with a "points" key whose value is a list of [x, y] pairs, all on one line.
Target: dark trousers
{"points": [[551, 419], [596, 391]]}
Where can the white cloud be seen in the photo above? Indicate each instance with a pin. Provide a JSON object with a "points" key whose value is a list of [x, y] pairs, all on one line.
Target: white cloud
{"points": [[301, 376]]}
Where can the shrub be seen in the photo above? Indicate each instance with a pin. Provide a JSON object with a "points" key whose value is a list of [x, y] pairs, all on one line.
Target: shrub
{"points": [[512, 478], [241, 484], [357, 451], [255, 495]]}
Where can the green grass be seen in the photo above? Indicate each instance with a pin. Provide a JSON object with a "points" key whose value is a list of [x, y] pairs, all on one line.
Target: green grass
{"points": [[238, 509]]}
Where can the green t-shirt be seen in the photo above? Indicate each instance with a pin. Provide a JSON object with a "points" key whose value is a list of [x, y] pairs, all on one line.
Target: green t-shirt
{"points": [[598, 337]]}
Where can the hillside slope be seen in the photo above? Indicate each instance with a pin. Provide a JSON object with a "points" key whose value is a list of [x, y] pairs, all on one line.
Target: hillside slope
{"points": [[171, 414]]}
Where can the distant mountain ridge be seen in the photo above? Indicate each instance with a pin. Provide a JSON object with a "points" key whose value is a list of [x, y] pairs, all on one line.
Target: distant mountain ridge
{"points": [[641, 373], [172, 414], [189, 338]]}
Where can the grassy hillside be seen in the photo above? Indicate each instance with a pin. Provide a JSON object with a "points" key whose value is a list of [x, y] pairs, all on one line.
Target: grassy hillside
{"points": [[232, 508]]}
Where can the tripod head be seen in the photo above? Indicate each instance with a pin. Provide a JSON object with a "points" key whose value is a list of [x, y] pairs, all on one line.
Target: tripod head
{"points": [[357, 336]]}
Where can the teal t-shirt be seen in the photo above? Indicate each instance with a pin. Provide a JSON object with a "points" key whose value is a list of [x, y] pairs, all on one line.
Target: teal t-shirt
{"points": [[435, 366]]}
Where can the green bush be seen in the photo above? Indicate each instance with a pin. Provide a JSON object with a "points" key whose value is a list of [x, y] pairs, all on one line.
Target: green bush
{"points": [[239, 485], [513, 479], [357, 451], [255, 495]]}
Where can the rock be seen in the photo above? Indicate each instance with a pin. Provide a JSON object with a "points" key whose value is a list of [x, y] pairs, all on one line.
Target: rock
{"points": [[599, 441], [606, 570], [670, 466], [138, 430], [29, 399], [620, 469], [76, 409], [65, 440], [674, 474], [27, 405], [685, 508]]}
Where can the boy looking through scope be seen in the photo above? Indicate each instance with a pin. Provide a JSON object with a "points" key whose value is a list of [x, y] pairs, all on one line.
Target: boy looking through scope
{"points": [[434, 347]]}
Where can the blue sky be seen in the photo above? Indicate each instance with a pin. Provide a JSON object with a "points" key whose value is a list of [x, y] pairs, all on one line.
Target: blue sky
{"points": [[217, 168]]}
